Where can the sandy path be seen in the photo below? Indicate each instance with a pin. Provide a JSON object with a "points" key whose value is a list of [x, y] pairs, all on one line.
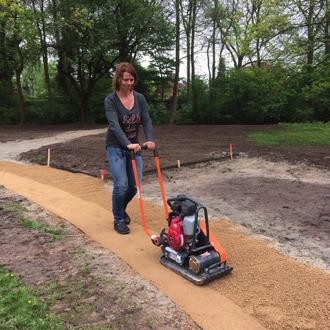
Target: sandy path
{"points": [[266, 288], [10, 150]]}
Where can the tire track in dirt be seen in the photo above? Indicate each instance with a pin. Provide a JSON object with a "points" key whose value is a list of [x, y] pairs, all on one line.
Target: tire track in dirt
{"points": [[266, 288]]}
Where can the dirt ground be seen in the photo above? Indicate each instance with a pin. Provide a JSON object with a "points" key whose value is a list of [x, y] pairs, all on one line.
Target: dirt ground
{"points": [[189, 144], [87, 286], [278, 194], [265, 189]]}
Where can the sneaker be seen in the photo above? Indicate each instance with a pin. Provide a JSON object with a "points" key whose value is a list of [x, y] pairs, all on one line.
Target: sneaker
{"points": [[121, 228], [127, 219]]}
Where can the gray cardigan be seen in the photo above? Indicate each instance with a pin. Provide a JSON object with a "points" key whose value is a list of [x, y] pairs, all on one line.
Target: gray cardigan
{"points": [[124, 124]]}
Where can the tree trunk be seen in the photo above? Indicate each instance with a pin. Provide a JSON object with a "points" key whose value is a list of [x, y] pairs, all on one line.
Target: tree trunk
{"points": [[192, 53], [43, 43], [46, 71], [84, 99], [208, 61], [63, 79], [5, 76], [18, 71], [213, 41], [240, 61], [188, 67], [20, 95], [213, 72], [187, 27], [310, 33], [327, 29], [177, 63]]}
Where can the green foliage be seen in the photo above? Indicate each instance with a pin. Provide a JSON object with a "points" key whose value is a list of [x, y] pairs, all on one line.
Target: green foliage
{"points": [[53, 233], [148, 82], [317, 94], [203, 113], [102, 89], [58, 110], [20, 307], [251, 96], [184, 115], [295, 134], [9, 116], [5, 97], [158, 113], [85, 39], [19, 209], [33, 80]]}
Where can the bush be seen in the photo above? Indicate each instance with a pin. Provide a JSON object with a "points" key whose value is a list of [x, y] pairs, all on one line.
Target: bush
{"points": [[184, 115], [158, 113], [9, 116], [57, 111], [251, 96], [317, 94]]}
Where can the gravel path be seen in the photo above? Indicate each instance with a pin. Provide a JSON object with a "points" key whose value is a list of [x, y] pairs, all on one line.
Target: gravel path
{"points": [[11, 149]]}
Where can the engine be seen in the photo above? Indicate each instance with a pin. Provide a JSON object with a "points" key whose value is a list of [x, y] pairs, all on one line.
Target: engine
{"points": [[175, 235]]}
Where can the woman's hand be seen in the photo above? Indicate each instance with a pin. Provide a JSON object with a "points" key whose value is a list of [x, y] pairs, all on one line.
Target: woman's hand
{"points": [[150, 145], [134, 146]]}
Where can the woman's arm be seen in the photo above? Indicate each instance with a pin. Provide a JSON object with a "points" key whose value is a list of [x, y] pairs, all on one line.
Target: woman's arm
{"points": [[111, 113]]}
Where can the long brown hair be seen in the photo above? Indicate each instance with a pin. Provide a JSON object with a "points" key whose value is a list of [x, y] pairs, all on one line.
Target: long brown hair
{"points": [[120, 69]]}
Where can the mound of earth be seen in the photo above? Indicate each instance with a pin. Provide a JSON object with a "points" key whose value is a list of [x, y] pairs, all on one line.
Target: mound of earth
{"points": [[188, 144]]}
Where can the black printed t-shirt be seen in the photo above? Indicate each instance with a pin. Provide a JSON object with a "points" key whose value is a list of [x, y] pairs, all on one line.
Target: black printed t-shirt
{"points": [[124, 124]]}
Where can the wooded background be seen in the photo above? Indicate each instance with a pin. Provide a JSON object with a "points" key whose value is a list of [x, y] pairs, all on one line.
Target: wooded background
{"points": [[267, 60]]}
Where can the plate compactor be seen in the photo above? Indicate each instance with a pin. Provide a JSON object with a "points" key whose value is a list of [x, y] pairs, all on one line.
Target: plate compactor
{"points": [[188, 247]]}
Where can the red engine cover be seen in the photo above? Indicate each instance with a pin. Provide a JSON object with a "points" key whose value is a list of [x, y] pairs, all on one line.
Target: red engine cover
{"points": [[175, 235]]}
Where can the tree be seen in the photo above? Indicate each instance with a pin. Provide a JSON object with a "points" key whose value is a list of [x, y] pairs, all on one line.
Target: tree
{"points": [[177, 63], [20, 42], [89, 50], [327, 30], [190, 15], [39, 8], [5, 71], [313, 19]]}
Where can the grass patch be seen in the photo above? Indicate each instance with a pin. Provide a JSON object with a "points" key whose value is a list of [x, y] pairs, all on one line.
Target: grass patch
{"points": [[295, 134], [19, 210], [53, 233], [78, 251], [53, 291], [40, 158], [20, 308]]}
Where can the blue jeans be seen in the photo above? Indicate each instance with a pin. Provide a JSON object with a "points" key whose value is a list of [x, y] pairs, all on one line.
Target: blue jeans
{"points": [[124, 188]]}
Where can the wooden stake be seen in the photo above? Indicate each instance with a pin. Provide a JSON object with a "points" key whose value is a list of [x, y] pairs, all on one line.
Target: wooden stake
{"points": [[48, 158], [179, 163], [102, 173], [231, 151]]}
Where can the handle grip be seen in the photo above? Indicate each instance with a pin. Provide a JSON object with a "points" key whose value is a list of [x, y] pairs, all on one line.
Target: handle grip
{"points": [[143, 147]]}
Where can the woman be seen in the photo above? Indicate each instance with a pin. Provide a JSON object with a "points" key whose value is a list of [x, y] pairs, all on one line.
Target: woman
{"points": [[126, 110]]}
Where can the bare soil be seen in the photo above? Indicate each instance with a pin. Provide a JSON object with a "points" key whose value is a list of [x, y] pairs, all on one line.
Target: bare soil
{"points": [[265, 189], [278, 194], [189, 144], [87, 286]]}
